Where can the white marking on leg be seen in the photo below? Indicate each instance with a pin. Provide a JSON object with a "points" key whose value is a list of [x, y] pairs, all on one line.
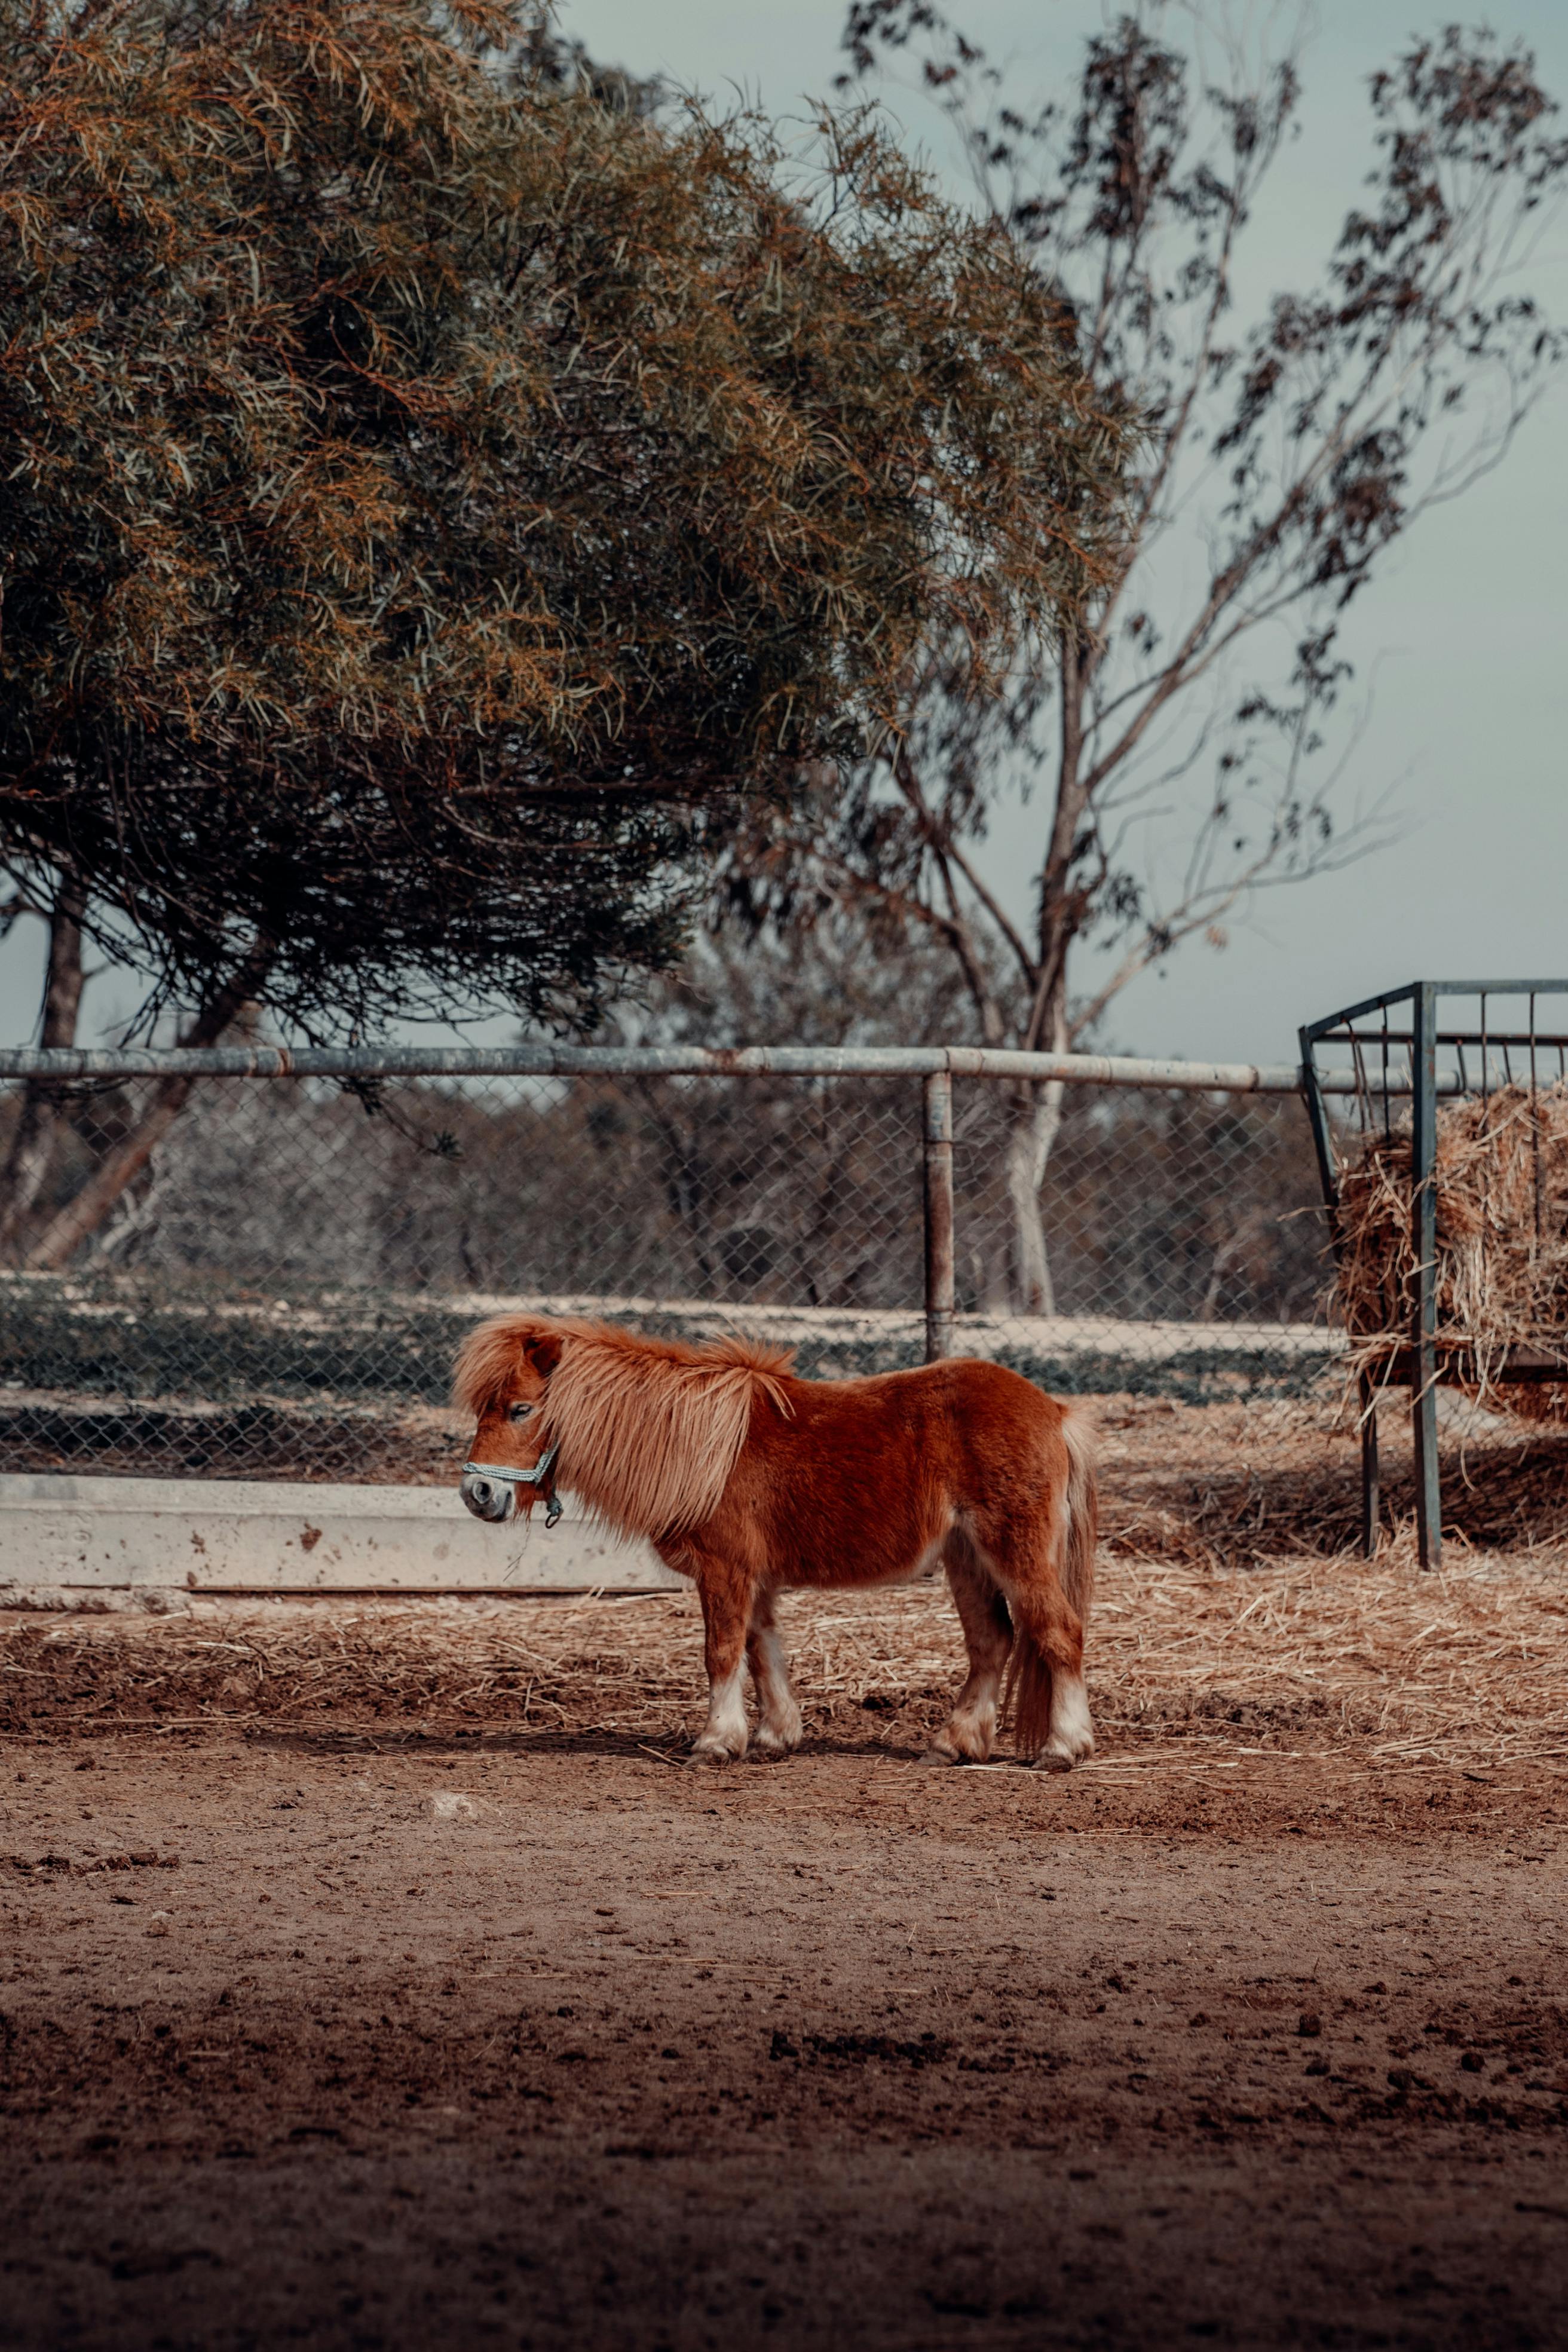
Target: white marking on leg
{"points": [[1071, 1732], [970, 1730], [725, 1733], [780, 1728]]}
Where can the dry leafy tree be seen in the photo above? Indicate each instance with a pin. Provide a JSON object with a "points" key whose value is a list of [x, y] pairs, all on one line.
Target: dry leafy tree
{"points": [[1167, 732], [440, 488]]}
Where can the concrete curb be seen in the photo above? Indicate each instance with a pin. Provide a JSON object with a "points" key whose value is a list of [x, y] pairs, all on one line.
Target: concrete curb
{"points": [[153, 1543]]}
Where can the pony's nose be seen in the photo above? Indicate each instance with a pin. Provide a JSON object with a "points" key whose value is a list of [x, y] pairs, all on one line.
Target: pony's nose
{"points": [[484, 1497]]}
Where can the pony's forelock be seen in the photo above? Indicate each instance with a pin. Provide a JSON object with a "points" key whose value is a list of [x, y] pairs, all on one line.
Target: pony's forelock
{"points": [[491, 1358]]}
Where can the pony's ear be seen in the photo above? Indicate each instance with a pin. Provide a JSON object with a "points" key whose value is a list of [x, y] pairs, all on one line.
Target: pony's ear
{"points": [[541, 1351]]}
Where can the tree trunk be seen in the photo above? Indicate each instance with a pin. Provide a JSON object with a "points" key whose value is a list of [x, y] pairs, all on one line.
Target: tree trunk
{"points": [[1037, 1109], [83, 1216], [1035, 1124], [32, 1152]]}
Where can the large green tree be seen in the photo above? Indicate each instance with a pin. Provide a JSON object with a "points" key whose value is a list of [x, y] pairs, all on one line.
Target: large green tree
{"points": [[436, 491]]}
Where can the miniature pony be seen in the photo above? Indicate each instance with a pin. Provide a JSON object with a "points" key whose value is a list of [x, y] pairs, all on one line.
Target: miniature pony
{"points": [[748, 1480]]}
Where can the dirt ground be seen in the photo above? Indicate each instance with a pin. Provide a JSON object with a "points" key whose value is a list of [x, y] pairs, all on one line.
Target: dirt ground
{"points": [[379, 1977]]}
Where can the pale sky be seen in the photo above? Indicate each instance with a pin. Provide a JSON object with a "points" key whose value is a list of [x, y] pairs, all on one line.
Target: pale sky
{"points": [[1464, 627]]}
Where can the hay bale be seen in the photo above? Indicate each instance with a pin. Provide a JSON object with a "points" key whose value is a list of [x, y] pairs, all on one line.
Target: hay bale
{"points": [[1501, 1171]]}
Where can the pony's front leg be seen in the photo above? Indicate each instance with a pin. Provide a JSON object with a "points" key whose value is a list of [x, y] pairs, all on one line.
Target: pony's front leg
{"points": [[726, 1613], [778, 1733]]}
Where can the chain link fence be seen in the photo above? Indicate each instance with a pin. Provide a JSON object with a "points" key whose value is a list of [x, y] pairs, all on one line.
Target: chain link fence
{"points": [[275, 1284]]}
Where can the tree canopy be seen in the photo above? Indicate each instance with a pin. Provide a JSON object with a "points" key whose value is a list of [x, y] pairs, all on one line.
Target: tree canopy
{"points": [[436, 488]]}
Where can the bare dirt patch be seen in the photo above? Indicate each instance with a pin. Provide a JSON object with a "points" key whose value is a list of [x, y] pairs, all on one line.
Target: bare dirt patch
{"points": [[378, 1976]]}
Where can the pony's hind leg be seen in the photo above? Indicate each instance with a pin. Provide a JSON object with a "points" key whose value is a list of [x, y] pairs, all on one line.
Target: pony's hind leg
{"points": [[1050, 1700], [726, 1613], [967, 1734], [1051, 1708], [778, 1733]]}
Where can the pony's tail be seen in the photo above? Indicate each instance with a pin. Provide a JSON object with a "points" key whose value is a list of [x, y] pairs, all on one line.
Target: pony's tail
{"points": [[1075, 1558], [1028, 1694], [1028, 1699]]}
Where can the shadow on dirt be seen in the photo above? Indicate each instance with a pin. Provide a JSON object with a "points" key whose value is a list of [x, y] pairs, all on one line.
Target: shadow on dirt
{"points": [[618, 1746]]}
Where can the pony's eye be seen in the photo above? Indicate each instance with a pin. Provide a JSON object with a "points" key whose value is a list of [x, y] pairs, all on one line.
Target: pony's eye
{"points": [[520, 1413]]}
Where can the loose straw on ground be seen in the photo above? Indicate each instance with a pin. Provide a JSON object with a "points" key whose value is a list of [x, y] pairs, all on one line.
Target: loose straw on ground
{"points": [[1466, 1666]]}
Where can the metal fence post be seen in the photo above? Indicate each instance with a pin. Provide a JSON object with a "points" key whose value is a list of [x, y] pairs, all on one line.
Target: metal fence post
{"points": [[1423, 1212], [938, 1141]]}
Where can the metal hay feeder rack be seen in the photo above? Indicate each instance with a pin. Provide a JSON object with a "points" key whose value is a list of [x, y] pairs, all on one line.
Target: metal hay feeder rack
{"points": [[1416, 1062]]}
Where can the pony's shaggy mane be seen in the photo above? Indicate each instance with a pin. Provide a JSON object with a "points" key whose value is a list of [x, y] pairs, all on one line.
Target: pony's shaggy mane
{"points": [[649, 1430]]}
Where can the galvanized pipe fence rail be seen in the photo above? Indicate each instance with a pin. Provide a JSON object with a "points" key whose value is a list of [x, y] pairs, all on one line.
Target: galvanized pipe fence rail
{"points": [[67, 1064]]}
